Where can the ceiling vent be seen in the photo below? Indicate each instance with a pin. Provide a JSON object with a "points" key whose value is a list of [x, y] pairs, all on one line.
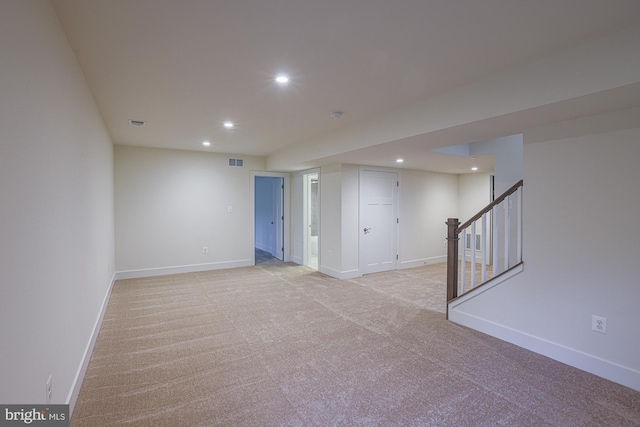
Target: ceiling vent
{"points": [[236, 163], [137, 122]]}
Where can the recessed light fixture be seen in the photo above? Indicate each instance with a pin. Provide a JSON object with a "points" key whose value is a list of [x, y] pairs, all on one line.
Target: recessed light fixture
{"points": [[336, 114], [228, 124], [399, 160], [474, 168], [206, 143], [282, 79]]}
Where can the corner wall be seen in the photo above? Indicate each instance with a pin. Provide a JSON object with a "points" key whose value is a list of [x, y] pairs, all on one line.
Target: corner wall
{"points": [[56, 220], [427, 199], [170, 204], [580, 250]]}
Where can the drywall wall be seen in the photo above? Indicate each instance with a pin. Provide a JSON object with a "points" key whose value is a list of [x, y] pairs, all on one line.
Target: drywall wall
{"points": [[169, 204], [427, 199], [56, 220], [474, 193], [580, 250], [350, 220], [331, 221], [297, 217], [507, 159]]}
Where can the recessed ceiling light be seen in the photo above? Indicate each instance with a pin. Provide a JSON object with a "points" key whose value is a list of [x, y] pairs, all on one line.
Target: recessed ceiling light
{"points": [[228, 124], [206, 143], [336, 114], [399, 160], [137, 122], [475, 168], [282, 79]]}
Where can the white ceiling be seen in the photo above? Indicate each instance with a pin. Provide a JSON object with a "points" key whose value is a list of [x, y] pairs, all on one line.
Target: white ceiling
{"points": [[185, 66]]}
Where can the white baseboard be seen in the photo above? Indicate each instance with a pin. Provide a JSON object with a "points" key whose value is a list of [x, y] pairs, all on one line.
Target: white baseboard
{"points": [[163, 271], [603, 368], [422, 262], [88, 351], [342, 275]]}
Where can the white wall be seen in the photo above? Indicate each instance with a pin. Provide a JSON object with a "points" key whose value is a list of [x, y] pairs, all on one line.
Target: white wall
{"points": [[169, 204], [474, 193], [350, 220], [297, 217], [330, 260], [56, 215], [581, 249], [427, 199], [507, 154]]}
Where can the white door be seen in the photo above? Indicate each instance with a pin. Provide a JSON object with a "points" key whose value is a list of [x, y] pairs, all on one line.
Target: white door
{"points": [[378, 221]]}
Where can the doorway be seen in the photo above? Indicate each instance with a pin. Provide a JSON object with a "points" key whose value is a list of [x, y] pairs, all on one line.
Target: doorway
{"points": [[269, 219], [311, 222]]}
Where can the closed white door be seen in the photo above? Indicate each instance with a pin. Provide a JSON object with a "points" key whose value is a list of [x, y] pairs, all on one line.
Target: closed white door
{"points": [[378, 221]]}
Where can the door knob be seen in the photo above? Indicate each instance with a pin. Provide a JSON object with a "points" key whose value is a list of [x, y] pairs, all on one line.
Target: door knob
{"points": [[366, 230]]}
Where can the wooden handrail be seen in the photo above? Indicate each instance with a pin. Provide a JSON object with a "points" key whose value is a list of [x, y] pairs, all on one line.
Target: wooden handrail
{"points": [[453, 230], [490, 206]]}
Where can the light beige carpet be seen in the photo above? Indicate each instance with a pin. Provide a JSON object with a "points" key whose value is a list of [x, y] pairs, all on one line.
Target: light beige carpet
{"points": [[282, 345]]}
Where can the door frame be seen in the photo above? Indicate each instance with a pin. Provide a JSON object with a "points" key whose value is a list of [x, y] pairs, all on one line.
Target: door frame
{"points": [[286, 212], [305, 217]]}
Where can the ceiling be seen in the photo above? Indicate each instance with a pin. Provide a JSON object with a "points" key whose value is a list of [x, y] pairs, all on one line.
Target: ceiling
{"points": [[184, 67]]}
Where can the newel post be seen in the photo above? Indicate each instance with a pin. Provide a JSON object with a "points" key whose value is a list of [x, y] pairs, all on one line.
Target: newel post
{"points": [[452, 260]]}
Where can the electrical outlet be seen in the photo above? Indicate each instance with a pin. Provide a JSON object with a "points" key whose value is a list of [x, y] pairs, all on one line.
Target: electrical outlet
{"points": [[599, 324], [48, 390], [205, 250]]}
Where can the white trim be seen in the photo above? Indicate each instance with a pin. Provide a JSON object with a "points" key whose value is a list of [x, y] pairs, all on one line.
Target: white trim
{"points": [[296, 260], [624, 375], [422, 262], [76, 384], [163, 271], [342, 275]]}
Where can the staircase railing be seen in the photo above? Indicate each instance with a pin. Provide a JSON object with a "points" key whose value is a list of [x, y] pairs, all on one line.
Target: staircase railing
{"points": [[491, 243]]}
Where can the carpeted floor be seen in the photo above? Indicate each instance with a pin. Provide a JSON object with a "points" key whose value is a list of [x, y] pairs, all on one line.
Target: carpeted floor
{"points": [[283, 345]]}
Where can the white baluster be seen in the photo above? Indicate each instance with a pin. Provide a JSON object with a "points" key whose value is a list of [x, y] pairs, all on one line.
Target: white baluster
{"points": [[519, 225], [507, 231], [484, 248], [496, 243], [472, 271], [463, 262]]}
